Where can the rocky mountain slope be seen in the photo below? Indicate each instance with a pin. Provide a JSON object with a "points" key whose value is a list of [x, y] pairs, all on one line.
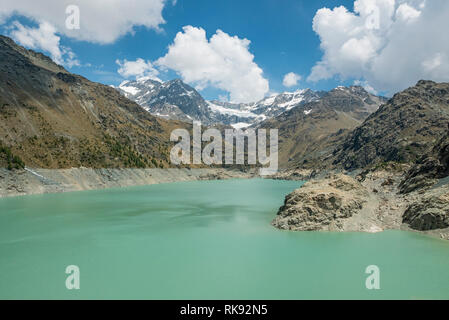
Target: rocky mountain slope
{"points": [[51, 118], [312, 129], [402, 130]]}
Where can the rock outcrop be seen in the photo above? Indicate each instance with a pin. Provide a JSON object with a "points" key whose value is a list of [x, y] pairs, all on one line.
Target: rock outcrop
{"points": [[429, 213], [321, 204], [370, 202], [431, 167], [296, 174]]}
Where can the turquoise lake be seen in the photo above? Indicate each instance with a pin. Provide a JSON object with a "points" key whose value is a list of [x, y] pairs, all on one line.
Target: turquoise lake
{"points": [[201, 240]]}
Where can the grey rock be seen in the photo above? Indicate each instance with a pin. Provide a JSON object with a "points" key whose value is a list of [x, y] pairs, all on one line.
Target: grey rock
{"points": [[321, 204], [429, 169], [430, 213]]}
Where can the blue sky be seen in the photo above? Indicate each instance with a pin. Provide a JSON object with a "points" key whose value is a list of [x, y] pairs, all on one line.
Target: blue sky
{"points": [[280, 31], [281, 34]]}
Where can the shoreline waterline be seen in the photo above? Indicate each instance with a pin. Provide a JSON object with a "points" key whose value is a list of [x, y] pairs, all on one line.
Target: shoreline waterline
{"points": [[44, 181]]}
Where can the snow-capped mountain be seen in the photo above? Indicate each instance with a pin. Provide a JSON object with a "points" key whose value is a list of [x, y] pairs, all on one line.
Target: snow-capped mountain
{"points": [[277, 104], [179, 101], [171, 100]]}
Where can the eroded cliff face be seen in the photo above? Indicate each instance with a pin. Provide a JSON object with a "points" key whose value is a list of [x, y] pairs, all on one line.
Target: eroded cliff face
{"points": [[429, 169], [429, 213], [429, 178]]}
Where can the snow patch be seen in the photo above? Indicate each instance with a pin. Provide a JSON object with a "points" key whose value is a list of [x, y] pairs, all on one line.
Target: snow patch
{"points": [[130, 89], [269, 101], [232, 112], [290, 104], [240, 125]]}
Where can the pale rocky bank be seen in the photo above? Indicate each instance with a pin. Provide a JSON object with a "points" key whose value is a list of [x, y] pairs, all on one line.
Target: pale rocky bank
{"points": [[367, 202], [38, 181]]}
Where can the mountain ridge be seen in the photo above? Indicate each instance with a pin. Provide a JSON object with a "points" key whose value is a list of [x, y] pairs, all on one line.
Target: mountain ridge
{"points": [[401, 130], [186, 104]]}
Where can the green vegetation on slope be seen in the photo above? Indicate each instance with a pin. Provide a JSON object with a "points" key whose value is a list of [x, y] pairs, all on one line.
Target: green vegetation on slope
{"points": [[9, 160]]}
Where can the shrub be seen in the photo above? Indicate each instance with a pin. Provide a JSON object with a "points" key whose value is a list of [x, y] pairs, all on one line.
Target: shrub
{"points": [[12, 161]]}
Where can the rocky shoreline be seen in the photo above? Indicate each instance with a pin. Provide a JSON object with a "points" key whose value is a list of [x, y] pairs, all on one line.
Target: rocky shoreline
{"points": [[367, 202], [38, 181]]}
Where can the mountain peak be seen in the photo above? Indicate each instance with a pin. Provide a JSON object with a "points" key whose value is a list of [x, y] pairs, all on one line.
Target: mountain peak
{"points": [[172, 99], [148, 78], [421, 83]]}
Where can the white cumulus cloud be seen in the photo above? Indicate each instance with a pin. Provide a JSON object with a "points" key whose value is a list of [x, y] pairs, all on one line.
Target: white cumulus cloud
{"points": [[390, 44], [223, 62], [44, 38], [291, 79], [138, 68], [101, 21], [407, 13]]}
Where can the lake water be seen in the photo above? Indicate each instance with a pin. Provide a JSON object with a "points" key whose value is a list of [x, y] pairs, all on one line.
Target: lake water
{"points": [[201, 240]]}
